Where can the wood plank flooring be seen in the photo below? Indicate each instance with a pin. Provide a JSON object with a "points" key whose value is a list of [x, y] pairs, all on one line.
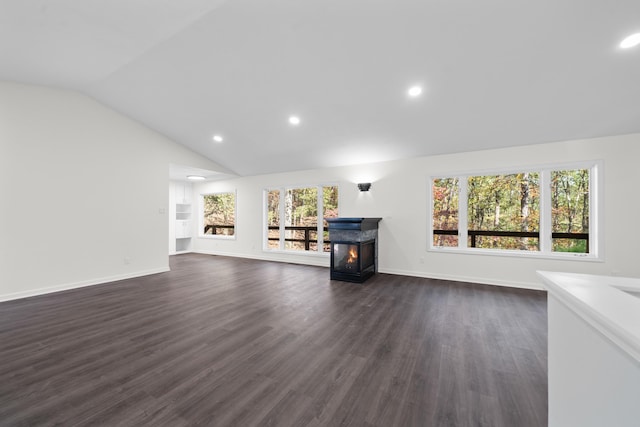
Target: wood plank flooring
{"points": [[233, 342]]}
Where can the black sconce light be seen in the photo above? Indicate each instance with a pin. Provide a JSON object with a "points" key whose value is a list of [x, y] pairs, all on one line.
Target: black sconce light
{"points": [[364, 186]]}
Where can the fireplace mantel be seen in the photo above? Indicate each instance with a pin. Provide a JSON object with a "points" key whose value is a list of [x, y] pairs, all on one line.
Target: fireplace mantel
{"points": [[361, 224]]}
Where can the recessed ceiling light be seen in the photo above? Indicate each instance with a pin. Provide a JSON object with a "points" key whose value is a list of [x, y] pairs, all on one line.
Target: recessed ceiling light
{"points": [[414, 91], [217, 138], [195, 177], [631, 41], [294, 120]]}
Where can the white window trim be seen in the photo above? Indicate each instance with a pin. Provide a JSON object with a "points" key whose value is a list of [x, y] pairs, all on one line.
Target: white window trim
{"points": [[596, 221], [320, 228], [201, 217]]}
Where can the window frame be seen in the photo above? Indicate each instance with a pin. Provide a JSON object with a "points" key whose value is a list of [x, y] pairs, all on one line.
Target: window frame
{"points": [[596, 209], [201, 216], [281, 207]]}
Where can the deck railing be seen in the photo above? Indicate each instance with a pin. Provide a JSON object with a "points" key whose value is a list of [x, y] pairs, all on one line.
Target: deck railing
{"points": [[473, 234], [215, 227], [307, 240]]}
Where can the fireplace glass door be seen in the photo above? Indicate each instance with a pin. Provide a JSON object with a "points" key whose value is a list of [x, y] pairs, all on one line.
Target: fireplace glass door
{"points": [[352, 260], [346, 257]]}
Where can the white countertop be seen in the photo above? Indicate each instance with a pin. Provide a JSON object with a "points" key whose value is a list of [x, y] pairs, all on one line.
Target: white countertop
{"points": [[610, 304]]}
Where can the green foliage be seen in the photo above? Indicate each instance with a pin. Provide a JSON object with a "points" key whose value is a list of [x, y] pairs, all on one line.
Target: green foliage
{"points": [[330, 202], [570, 201], [445, 193], [301, 206], [504, 203], [219, 209], [570, 245], [273, 207], [300, 210], [570, 208], [511, 202]]}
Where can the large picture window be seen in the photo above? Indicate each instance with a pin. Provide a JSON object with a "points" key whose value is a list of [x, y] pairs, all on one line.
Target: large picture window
{"points": [[218, 214], [295, 218], [503, 211], [548, 211]]}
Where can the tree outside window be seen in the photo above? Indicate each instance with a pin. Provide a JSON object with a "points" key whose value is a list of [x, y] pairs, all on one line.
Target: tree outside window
{"points": [[445, 211], [546, 210], [295, 217], [504, 203], [219, 214], [570, 210]]}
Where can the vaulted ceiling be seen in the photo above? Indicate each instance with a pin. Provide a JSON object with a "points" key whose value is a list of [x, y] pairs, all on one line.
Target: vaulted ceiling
{"points": [[495, 73]]}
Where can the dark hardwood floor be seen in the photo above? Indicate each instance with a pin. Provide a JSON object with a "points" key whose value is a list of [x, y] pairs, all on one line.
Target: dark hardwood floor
{"points": [[233, 342]]}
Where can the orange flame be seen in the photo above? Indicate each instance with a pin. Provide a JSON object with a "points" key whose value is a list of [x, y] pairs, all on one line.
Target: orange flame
{"points": [[353, 255]]}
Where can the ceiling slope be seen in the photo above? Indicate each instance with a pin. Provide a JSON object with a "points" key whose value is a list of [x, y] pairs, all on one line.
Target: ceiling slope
{"points": [[495, 74]]}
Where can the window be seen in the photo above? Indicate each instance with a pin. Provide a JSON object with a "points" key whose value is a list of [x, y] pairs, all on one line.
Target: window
{"points": [[570, 210], [445, 211], [219, 214], [503, 211], [548, 211], [295, 218], [273, 219]]}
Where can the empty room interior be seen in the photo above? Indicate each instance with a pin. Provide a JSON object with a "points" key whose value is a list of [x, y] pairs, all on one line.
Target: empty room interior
{"points": [[319, 213]]}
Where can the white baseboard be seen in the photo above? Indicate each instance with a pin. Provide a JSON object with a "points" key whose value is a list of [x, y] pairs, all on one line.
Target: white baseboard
{"points": [[468, 279], [318, 262], [311, 260], [180, 252], [323, 263], [81, 284]]}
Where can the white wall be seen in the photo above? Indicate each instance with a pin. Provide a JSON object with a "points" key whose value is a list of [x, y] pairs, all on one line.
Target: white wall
{"points": [[592, 381], [399, 195], [83, 188]]}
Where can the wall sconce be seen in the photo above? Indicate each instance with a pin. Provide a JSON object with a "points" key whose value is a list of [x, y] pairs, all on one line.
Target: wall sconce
{"points": [[364, 186]]}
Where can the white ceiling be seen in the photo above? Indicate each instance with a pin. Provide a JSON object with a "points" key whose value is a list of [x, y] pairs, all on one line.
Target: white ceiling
{"points": [[495, 73], [181, 172]]}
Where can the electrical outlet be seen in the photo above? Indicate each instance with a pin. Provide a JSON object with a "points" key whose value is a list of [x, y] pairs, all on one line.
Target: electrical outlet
{"points": [[421, 260], [127, 260]]}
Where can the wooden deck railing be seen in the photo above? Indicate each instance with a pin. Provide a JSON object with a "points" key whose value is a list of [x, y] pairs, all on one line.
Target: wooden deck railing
{"points": [[307, 234], [216, 227], [473, 234], [307, 240]]}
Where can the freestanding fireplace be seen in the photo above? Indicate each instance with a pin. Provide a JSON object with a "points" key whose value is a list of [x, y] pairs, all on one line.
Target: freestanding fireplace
{"points": [[354, 248]]}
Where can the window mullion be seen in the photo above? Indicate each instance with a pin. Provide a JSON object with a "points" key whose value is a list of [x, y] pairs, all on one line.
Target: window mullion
{"points": [[265, 218], [462, 213], [320, 221], [282, 217], [595, 184], [545, 240]]}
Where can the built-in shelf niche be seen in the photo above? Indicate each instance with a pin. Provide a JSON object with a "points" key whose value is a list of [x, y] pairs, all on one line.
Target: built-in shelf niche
{"points": [[183, 211], [183, 245], [183, 219]]}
